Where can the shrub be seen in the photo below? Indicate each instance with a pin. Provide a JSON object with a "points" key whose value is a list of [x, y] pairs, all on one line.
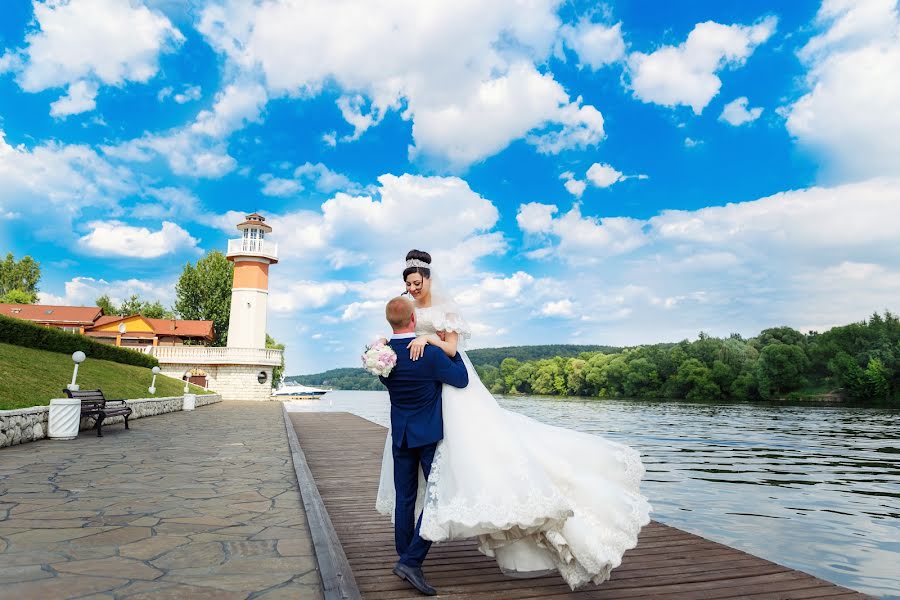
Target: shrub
{"points": [[24, 333]]}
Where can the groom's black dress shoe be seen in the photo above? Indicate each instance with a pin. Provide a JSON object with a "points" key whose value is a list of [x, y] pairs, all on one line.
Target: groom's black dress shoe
{"points": [[414, 576]]}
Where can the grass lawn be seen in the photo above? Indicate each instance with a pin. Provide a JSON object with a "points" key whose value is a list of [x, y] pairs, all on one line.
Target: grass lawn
{"points": [[30, 377]]}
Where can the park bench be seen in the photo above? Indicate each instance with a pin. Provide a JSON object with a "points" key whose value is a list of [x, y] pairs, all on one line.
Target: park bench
{"points": [[94, 404]]}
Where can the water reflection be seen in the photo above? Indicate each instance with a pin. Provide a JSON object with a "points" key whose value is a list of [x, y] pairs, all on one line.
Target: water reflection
{"points": [[814, 488]]}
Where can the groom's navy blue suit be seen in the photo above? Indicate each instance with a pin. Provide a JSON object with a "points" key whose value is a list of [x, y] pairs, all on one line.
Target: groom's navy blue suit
{"points": [[417, 426]]}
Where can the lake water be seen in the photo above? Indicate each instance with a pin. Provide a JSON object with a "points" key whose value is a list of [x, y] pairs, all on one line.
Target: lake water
{"points": [[813, 488]]}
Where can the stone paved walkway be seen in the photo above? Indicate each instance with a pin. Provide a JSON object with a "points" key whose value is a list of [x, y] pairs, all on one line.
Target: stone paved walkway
{"points": [[184, 505]]}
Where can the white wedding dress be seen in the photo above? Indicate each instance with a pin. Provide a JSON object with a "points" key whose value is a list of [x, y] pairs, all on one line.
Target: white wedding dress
{"points": [[538, 498]]}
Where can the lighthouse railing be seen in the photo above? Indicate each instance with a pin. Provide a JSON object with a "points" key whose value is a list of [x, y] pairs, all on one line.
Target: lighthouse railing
{"points": [[252, 246], [216, 355]]}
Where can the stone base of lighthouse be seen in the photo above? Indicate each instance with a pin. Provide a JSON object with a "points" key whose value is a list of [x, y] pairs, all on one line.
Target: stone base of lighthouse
{"points": [[227, 371]]}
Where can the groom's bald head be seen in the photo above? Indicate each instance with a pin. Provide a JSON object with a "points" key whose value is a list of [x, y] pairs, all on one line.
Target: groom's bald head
{"points": [[400, 314]]}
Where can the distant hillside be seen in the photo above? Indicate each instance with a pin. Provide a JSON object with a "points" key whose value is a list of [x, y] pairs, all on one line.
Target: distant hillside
{"points": [[358, 379], [494, 356], [339, 379]]}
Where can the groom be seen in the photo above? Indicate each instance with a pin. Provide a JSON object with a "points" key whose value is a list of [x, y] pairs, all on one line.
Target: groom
{"points": [[416, 427]]}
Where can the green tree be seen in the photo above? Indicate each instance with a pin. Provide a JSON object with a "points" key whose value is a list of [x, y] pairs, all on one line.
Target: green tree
{"points": [[489, 375], [17, 297], [278, 371], [744, 387], [508, 368], [22, 276], [780, 335], [522, 378], [780, 369], [694, 380], [876, 382], [107, 305], [642, 379], [134, 306], [204, 292], [595, 374], [549, 377], [576, 385]]}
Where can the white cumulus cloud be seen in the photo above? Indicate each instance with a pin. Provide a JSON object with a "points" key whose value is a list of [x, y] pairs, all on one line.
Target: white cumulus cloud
{"points": [[849, 114], [115, 238], [603, 175], [736, 112], [687, 74], [465, 73], [82, 44], [595, 44]]}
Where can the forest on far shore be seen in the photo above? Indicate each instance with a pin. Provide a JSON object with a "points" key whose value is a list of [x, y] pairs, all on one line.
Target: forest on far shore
{"points": [[859, 362]]}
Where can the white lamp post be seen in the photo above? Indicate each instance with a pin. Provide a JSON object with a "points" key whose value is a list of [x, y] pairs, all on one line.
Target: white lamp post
{"points": [[78, 358], [152, 388]]}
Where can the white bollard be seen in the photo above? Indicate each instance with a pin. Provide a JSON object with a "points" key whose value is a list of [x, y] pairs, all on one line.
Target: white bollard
{"points": [[190, 401], [64, 418]]}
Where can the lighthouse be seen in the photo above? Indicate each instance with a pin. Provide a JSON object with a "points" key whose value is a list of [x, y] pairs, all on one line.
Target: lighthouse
{"points": [[251, 254], [243, 369]]}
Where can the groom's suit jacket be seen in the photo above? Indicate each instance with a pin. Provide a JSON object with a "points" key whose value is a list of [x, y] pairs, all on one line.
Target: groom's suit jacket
{"points": [[415, 390]]}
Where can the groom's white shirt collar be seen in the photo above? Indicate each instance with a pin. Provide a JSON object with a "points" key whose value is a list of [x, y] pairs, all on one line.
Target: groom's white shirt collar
{"points": [[403, 336]]}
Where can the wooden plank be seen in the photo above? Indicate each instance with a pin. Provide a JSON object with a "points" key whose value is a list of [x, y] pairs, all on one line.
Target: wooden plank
{"points": [[338, 582], [343, 453]]}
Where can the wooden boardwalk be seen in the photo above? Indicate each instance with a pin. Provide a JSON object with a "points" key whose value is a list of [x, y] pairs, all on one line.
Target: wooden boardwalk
{"points": [[343, 452]]}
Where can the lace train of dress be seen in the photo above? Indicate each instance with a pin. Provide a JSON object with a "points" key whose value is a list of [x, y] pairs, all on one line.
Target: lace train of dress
{"points": [[537, 497]]}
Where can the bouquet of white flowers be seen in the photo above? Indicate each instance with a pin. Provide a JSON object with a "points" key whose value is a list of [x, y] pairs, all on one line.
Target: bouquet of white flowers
{"points": [[379, 358]]}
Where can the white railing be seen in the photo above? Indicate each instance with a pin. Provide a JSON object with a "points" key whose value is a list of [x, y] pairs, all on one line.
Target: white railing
{"points": [[205, 355], [253, 247]]}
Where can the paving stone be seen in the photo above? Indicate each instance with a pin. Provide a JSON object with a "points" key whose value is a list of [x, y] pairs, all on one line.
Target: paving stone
{"points": [[18, 559], [295, 547], [209, 500], [244, 549], [292, 565], [9, 574], [204, 520], [119, 536], [61, 587], [179, 591], [242, 582], [170, 528], [44, 524], [292, 591], [110, 567], [192, 555], [254, 506], [37, 537], [59, 515], [216, 537], [280, 533], [152, 547]]}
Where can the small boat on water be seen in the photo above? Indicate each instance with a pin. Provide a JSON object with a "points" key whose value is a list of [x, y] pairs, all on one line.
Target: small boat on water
{"points": [[296, 391]]}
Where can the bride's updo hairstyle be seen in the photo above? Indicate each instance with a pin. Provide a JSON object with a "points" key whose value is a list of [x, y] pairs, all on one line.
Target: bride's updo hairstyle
{"points": [[423, 259]]}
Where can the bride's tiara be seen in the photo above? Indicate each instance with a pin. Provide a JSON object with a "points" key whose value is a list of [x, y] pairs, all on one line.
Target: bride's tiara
{"points": [[415, 262]]}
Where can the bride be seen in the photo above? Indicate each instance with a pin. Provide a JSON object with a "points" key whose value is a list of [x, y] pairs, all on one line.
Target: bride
{"points": [[538, 498]]}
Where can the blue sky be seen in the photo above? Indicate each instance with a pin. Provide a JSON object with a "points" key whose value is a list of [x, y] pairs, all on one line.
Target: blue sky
{"points": [[623, 172]]}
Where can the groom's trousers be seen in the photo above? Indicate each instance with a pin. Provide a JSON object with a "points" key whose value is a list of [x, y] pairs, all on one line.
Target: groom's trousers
{"points": [[410, 546]]}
